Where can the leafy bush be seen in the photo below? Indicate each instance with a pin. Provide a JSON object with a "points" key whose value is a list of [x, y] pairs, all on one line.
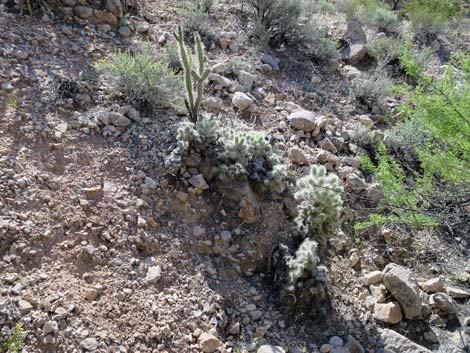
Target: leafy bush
{"points": [[304, 262], [385, 49], [372, 86], [319, 46], [205, 5], [317, 6], [170, 55], [436, 191], [320, 203], [15, 342], [233, 153], [144, 81]]}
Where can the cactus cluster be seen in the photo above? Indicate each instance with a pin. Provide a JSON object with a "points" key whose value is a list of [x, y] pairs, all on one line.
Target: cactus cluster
{"points": [[195, 74], [234, 153], [319, 197]]}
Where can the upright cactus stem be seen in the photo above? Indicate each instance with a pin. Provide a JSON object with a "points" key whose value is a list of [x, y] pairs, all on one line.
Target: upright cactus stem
{"points": [[194, 80]]}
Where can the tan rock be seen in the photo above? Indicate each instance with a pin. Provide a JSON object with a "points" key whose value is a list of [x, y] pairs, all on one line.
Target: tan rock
{"points": [[208, 343], [373, 277], [432, 286], [388, 312]]}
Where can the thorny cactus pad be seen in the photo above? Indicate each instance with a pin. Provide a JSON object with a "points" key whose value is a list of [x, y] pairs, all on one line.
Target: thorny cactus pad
{"points": [[319, 209]]}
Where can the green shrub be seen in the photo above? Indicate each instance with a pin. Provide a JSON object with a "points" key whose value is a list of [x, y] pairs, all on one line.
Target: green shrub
{"points": [[372, 86], [205, 5], [385, 49], [320, 204], [317, 6], [194, 18], [15, 342], [318, 45], [236, 65], [233, 153], [275, 20], [435, 191], [144, 81], [364, 137], [428, 17], [170, 55], [373, 13], [304, 262]]}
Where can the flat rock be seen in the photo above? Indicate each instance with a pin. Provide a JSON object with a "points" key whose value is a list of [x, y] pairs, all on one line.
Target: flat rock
{"points": [[89, 344], [396, 343], [433, 285], [355, 54], [388, 312], [208, 343], [117, 119], [268, 348], [373, 277], [457, 293], [297, 156], [403, 286]]}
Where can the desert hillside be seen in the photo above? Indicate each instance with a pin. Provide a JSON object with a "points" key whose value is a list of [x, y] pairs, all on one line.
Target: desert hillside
{"points": [[233, 176]]}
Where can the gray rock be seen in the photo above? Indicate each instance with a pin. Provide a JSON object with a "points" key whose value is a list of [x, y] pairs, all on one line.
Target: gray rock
{"points": [[297, 156], [246, 79], [214, 103], [457, 293], [303, 120], [404, 288], [89, 344], [268, 348], [118, 119], [271, 60], [355, 33], [154, 273], [199, 182], [355, 54], [208, 343], [443, 302], [336, 342], [83, 11], [115, 7], [241, 101], [396, 343]]}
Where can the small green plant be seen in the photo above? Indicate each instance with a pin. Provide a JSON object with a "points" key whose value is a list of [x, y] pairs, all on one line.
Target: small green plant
{"points": [[373, 13], [236, 65], [15, 342], [11, 102], [364, 137], [194, 77], [205, 5], [428, 17], [385, 49], [194, 18], [319, 46], [304, 262], [170, 55], [144, 81], [319, 197], [372, 86]]}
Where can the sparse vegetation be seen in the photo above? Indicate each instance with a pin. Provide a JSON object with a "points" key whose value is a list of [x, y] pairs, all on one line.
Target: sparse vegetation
{"points": [[145, 82], [372, 86], [319, 197], [233, 153], [14, 343], [194, 74], [385, 49], [194, 17]]}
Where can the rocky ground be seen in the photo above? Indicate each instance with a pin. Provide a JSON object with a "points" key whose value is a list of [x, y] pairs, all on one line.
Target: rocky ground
{"points": [[102, 249]]}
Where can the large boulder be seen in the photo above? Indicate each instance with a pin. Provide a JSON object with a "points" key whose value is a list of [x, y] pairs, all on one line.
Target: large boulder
{"points": [[396, 343], [400, 282]]}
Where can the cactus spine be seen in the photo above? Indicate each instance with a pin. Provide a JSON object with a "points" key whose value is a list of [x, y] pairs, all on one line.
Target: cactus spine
{"points": [[194, 80]]}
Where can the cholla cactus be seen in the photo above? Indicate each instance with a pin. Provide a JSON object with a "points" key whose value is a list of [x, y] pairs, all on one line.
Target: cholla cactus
{"points": [[304, 263], [194, 80], [320, 203]]}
